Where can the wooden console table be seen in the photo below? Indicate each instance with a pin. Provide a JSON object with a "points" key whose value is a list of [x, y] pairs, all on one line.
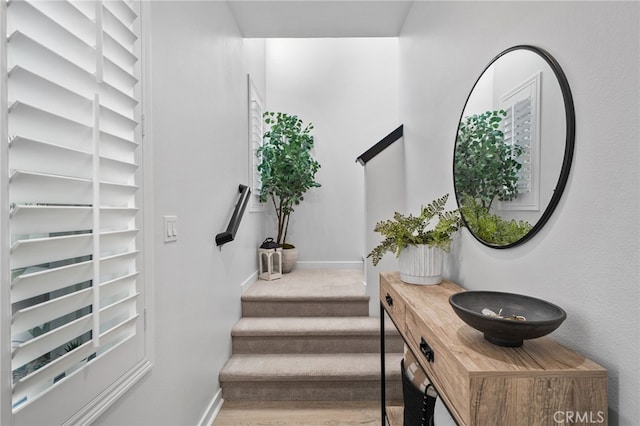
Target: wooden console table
{"points": [[539, 383]]}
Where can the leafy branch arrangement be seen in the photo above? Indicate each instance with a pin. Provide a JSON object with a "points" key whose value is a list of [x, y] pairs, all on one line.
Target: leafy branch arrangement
{"points": [[287, 168], [402, 230]]}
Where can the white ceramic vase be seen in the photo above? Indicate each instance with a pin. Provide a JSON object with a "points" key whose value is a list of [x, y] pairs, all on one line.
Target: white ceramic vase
{"points": [[421, 265]]}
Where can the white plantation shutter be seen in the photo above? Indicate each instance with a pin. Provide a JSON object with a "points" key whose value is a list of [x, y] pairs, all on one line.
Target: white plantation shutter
{"points": [[256, 130], [521, 128], [518, 131], [73, 135]]}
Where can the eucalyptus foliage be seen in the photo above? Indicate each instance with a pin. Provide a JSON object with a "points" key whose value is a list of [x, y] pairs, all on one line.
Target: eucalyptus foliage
{"points": [[485, 167], [287, 169], [402, 231], [489, 227]]}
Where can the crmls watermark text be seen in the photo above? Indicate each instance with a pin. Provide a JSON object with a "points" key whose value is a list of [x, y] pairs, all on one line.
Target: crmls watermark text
{"points": [[582, 417]]}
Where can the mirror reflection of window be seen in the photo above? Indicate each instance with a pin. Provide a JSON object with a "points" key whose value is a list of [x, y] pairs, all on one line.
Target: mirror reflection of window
{"points": [[517, 129], [520, 128]]}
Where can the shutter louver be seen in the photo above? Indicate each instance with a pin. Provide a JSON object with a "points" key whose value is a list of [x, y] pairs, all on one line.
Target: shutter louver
{"points": [[72, 123]]}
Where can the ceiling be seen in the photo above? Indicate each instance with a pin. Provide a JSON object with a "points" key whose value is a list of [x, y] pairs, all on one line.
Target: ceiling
{"points": [[319, 18]]}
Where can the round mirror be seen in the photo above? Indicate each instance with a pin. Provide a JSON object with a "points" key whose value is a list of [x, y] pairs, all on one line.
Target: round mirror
{"points": [[514, 147]]}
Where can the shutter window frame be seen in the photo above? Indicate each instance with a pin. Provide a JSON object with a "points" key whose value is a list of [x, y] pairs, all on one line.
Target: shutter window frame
{"points": [[71, 217]]}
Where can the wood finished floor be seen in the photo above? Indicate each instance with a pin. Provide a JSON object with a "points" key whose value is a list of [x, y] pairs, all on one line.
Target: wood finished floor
{"points": [[289, 413]]}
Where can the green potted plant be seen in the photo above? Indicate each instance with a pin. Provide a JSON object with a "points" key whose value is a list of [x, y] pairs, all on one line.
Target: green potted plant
{"points": [[485, 169], [485, 166], [418, 245], [287, 171]]}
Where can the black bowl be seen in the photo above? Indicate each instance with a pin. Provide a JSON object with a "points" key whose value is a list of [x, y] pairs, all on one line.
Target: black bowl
{"points": [[541, 317]]}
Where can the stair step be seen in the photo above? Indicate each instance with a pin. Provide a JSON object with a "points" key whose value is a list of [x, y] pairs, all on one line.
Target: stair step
{"points": [[308, 337], [337, 308], [309, 377], [313, 335], [308, 292]]}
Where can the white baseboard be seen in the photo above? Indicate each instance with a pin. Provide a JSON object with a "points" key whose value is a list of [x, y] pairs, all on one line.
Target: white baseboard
{"points": [[336, 264], [246, 284], [212, 410], [215, 405]]}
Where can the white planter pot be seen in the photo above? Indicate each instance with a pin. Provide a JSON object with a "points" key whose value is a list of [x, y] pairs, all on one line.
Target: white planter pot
{"points": [[421, 265], [289, 259]]}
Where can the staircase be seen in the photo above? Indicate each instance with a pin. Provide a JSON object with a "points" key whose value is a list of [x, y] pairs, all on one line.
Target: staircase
{"points": [[308, 336]]}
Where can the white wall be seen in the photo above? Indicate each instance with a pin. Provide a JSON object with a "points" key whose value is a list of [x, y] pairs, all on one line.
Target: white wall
{"points": [[384, 188], [586, 259], [199, 141], [348, 88], [255, 62]]}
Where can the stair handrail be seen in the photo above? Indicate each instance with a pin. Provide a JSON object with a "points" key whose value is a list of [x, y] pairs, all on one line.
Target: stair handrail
{"points": [[381, 146], [230, 234]]}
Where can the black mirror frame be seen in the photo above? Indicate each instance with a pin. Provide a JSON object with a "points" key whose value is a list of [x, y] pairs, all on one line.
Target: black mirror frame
{"points": [[568, 151]]}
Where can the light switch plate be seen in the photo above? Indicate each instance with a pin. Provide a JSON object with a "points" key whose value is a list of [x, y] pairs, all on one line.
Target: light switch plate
{"points": [[170, 229]]}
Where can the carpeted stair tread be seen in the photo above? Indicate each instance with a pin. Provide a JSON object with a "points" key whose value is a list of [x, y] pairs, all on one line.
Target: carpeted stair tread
{"points": [[308, 367], [310, 326], [310, 285]]}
